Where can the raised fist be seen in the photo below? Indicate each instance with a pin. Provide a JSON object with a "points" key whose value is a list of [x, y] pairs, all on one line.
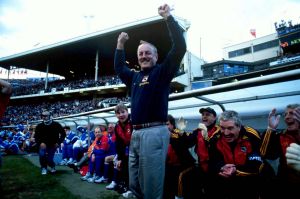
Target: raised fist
{"points": [[123, 37], [164, 11]]}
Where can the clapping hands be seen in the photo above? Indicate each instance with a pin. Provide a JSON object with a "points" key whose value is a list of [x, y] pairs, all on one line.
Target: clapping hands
{"points": [[227, 170], [273, 120], [203, 130], [293, 156], [181, 124]]}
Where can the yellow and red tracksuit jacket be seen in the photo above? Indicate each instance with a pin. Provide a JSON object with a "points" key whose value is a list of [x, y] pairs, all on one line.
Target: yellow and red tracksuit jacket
{"points": [[202, 145], [274, 146], [244, 153]]}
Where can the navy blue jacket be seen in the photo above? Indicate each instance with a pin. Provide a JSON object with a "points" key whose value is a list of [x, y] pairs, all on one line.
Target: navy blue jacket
{"points": [[149, 97]]}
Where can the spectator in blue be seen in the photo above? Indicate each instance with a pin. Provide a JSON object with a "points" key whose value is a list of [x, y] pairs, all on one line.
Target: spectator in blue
{"points": [[9, 146], [67, 146], [48, 135], [82, 144], [87, 134], [149, 107], [29, 141], [19, 136]]}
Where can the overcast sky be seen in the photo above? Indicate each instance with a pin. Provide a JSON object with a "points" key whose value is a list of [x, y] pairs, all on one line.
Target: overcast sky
{"points": [[25, 24]]}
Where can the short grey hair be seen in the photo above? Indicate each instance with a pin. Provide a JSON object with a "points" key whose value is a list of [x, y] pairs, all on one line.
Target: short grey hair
{"points": [[230, 115], [152, 46], [292, 106]]}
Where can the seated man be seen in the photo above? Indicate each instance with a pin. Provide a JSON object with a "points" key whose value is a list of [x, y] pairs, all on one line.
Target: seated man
{"points": [[9, 146], [96, 158], [30, 145], [293, 151], [81, 145], [234, 160], [67, 146], [276, 146], [19, 136], [179, 161]]}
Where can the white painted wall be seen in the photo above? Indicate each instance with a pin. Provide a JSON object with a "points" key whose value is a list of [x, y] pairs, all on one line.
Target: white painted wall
{"points": [[256, 56]]}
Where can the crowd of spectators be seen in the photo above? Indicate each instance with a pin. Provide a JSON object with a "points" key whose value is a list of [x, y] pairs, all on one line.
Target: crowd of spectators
{"points": [[22, 114], [17, 140], [36, 86], [27, 113]]}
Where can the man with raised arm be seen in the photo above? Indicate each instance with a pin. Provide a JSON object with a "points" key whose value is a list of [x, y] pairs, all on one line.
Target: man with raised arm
{"points": [[277, 145], [149, 107]]}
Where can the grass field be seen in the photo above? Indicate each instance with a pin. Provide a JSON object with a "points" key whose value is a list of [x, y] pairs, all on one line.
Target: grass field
{"points": [[19, 178]]}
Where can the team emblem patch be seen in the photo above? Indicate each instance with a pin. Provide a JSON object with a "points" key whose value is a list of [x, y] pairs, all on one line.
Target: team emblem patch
{"points": [[145, 78], [144, 81], [244, 149]]}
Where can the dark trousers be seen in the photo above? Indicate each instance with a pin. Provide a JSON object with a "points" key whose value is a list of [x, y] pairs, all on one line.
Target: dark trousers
{"points": [[46, 157]]}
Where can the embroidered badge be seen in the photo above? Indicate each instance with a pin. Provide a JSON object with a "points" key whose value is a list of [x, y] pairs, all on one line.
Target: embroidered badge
{"points": [[145, 78], [244, 149]]}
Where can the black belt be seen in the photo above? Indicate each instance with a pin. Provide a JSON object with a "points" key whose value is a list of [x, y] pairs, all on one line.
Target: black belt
{"points": [[147, 125]]}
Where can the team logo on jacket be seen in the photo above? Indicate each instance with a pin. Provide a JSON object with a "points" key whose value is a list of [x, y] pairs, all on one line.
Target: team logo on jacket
{"points": [[144, 80], [255, 157], [244, 149]]}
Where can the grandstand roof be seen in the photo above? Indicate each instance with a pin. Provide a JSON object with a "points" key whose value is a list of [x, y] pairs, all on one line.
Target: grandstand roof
{"points": [[79, 54]]}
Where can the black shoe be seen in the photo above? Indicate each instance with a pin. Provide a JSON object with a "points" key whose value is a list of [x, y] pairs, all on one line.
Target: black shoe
{"points": [[71, 164], [116, 188], [122, 189], [75, 168]]}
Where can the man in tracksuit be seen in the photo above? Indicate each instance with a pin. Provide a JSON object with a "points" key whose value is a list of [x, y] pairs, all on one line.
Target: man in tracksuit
{"points": [[235, 162], [275, 147]]}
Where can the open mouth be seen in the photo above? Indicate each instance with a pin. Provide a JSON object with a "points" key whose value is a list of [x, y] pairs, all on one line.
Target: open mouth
{"points": [[228, 137]]}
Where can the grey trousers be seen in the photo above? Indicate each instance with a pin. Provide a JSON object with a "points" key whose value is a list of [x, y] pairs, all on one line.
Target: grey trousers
{"points": [[147, 158]]}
